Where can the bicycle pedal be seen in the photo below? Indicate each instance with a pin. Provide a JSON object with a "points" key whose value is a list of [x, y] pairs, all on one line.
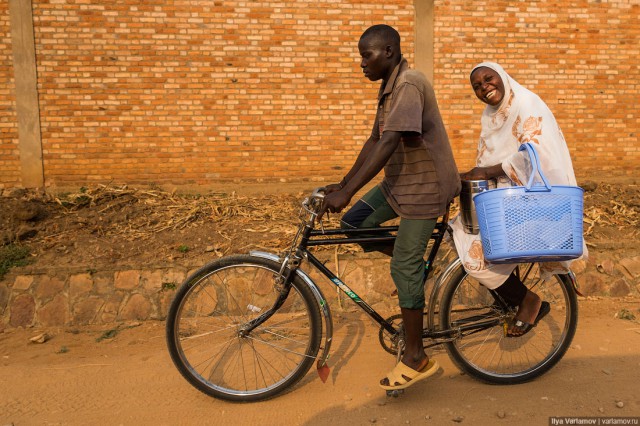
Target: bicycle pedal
{"points": [[395, 393]]}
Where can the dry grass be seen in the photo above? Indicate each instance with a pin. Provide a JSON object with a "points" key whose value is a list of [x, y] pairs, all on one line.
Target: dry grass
{"points": [[266, 221]]}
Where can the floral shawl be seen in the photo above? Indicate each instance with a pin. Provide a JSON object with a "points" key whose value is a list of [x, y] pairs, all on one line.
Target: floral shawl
{"points": [[520, 117]]}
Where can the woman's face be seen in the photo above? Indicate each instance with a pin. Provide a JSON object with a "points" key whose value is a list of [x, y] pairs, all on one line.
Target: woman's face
{"points": [[487, 85]]}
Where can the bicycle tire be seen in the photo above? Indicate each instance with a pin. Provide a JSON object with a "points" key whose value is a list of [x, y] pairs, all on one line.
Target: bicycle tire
{"points": [[490, 356], [203, 330]]}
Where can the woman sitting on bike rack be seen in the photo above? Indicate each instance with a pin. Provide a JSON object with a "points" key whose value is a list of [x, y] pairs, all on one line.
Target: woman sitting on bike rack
{"points": [[409, 141], [513, 116]]}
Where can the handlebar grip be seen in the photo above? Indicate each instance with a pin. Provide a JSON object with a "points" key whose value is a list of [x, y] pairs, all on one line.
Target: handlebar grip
{"points": [[315, 199], [318, 193]]}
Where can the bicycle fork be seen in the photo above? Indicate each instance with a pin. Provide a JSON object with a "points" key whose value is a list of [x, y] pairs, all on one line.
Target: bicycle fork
{"points": [[282, 284], [317, 294]]}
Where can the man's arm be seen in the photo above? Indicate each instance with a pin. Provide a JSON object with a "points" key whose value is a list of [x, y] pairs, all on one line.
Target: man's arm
{"points": [[377, 157], [372, 158], [360, 159], [362, 156]]}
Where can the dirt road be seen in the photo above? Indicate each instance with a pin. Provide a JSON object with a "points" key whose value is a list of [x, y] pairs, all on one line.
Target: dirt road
{"points": [[125, 376]]}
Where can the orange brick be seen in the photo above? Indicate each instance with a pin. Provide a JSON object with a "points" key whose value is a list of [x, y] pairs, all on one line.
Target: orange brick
{"points": [[171, 93]]}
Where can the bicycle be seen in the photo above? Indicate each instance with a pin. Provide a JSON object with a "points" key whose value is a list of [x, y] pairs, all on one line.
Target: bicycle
{"points": [[248, 327]]}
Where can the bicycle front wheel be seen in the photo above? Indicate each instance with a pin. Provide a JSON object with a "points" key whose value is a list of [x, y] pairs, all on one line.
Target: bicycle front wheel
{"points": [[480, 347], [205, 326]]}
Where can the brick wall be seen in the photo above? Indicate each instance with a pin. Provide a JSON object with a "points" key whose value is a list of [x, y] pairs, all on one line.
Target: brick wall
{"points": [[9, 159], [580, 57], [194, 92], [199, 92]]}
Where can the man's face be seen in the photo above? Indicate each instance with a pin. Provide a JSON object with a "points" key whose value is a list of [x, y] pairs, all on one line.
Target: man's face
{"points": [[487, 85], [375, 58]]}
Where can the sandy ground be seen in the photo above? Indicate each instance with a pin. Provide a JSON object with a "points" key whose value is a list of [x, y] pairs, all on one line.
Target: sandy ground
{"points": [[101, 376]]}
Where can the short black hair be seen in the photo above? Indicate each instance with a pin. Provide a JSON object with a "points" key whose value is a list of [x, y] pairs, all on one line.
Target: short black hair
{"points": [[384, 33]]}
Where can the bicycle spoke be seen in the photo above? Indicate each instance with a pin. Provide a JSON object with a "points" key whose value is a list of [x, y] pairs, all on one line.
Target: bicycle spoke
{"points": [[204, 342], [258, 367], [277, 347], [224, 285], [241, 362], [214, 353], [263, 362], [214, 356], [486, 352]]}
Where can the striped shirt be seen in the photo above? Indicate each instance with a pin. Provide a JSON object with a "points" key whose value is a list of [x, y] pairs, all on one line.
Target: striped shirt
{"points": [[421, 177]]}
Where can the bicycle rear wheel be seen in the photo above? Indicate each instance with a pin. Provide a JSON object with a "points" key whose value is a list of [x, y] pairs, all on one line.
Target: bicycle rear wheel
{"points": [[485, 352], [206, 319]]}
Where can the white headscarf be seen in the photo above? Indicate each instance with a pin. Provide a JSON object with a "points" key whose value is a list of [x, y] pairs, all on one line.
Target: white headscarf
{"points": [[522, 117]]}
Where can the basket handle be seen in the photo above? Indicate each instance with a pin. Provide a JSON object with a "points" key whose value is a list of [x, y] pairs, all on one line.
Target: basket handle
{"points": [[535, 169]]}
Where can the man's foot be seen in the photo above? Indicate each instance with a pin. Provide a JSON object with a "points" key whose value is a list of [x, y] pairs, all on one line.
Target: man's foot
{"points": [[402, 376], [416, 366]]}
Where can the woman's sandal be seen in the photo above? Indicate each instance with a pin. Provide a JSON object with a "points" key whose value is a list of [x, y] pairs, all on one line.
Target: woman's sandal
{"points": [[525, 327], [402, 376]]}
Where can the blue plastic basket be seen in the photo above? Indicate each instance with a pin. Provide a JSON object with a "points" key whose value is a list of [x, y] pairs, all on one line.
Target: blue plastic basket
{"points": [[535, 223]]}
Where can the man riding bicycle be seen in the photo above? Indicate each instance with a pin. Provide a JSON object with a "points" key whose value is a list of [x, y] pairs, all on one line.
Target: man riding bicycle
{"points": [[410, 143]]}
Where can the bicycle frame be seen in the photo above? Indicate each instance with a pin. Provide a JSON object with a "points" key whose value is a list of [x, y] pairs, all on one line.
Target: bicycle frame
{"points": [[308, 237], [373, 235]]}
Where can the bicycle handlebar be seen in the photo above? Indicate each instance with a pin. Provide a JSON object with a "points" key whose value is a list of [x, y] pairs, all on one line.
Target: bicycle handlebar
{"points": [[318, 194], [313, 202]]}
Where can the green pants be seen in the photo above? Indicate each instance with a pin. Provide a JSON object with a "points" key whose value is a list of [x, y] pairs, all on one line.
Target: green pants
{"points": [[407, 262]]}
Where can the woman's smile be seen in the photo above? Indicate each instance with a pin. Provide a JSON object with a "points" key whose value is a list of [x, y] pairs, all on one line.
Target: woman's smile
{"points": [[487, 85]]}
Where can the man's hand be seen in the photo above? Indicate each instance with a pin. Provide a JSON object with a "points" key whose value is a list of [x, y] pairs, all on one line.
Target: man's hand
{"points": [[334, 202], [332, 188]]}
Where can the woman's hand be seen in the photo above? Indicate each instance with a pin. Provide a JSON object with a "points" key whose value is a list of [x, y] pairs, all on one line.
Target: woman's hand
{"points": [[483, 173], [477, 173]]}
